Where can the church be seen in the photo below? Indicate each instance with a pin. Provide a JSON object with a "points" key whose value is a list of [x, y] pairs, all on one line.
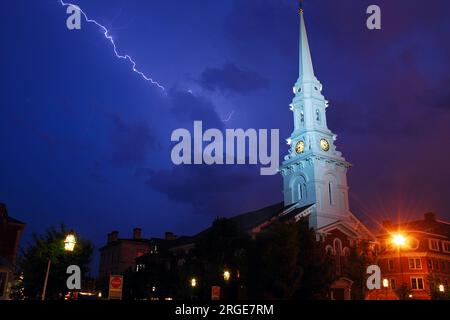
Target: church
{"points": [[314, 172], [314, 177]]}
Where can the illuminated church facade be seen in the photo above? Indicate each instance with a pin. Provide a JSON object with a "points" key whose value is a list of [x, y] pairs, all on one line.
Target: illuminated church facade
{"points": [[314, 172]]}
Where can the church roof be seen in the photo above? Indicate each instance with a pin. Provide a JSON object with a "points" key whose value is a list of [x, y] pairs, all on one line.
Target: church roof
{"points": [[248, 220], [306, 70]]}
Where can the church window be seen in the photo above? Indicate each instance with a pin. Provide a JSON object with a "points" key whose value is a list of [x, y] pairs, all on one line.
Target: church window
{"points": [[346, 251], [302, 116], [330, 194], [337, 244], [317, 115], [329, 250]]}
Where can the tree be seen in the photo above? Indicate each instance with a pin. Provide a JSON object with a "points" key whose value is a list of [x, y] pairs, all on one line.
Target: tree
{"points": [[355, 268], [50, 246], [286, 262], [222, 247], [403, 292], [434, 282]]}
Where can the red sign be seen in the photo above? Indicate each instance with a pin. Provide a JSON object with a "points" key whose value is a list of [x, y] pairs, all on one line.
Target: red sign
{"points": [[115, 287], [215, 293], [116, 282]]}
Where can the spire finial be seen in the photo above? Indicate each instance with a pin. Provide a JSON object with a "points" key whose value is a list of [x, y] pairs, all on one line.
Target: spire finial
{"points": [[301, 6]]}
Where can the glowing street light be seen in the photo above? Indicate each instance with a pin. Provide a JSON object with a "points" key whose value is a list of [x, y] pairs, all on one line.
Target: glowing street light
{"points": [[385, 283], [226, 275], [193, 282], [399, 240], [441, 288], [70, 242]]}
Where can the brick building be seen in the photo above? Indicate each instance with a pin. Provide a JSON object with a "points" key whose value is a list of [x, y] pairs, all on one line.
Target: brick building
{"points": [[10, 232], [417, 254], [119, 254]]}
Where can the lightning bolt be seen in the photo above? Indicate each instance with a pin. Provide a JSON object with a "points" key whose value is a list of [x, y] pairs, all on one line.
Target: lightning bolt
{"points": [[229, 117], [111, 40]]}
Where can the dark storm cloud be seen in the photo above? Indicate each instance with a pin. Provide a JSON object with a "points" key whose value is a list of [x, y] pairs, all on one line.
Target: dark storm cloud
{"points": [[131, 142], [187, 108], [230, 78], [206, 188]]}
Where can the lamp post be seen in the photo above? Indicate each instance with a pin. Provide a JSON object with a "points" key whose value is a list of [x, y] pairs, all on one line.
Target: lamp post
{"points": [[69, 245], [399, 241]]}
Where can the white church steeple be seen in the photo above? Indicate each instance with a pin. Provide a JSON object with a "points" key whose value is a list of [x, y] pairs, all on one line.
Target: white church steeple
{"points": [[314, 172], [306, 70]]}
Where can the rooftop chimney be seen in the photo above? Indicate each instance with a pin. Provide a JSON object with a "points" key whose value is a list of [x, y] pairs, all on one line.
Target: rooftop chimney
{"points": [[137, 233], [114, 236], [170, 236]]}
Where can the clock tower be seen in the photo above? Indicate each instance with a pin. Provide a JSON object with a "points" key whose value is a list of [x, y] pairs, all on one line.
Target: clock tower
{"points": [[314, 172]]}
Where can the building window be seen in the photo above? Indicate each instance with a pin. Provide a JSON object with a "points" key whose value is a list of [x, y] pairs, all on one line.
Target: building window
{"points": [[390, 264], [393, 284], [330, 194], [414, 244], [415, 264], [436, 264], [430, 264], [433, 244], [417, 283], [446, 246], [302, 117]]}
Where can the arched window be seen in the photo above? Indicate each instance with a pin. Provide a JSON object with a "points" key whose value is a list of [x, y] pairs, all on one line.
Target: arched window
{"points": [[302, 116], [317, 115], [346, 251], [329, 250], [330, 194], [337, 244], [298, 188]]}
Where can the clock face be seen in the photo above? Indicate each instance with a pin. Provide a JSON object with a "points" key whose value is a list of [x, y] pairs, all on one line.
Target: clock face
{"points": [[300, 146], [324, 145]]}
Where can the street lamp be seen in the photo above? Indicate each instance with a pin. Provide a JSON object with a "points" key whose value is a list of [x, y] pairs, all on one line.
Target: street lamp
{"points": [[399, 240], [193, 282], [69, 245], [226, 275], [70, 242], [441, 288]]}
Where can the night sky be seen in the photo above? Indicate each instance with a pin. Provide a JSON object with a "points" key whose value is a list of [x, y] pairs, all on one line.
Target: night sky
{"points": [[85, 141]]}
